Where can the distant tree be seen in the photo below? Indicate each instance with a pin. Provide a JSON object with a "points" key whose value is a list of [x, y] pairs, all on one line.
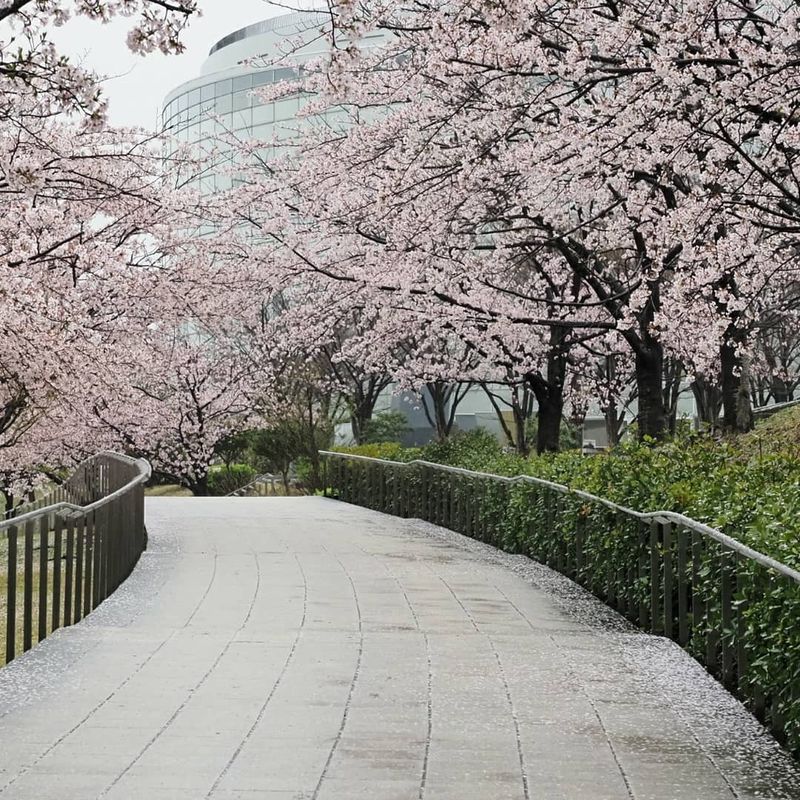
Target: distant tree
{"points": [[388, 426], [276, 448]]}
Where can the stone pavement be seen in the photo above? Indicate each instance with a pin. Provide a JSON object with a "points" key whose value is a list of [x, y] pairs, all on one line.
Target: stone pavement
{"points": [[303, 649]]}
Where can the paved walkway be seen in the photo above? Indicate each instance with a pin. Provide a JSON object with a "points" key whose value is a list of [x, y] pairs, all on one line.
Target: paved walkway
{"points": [[301, 648]]}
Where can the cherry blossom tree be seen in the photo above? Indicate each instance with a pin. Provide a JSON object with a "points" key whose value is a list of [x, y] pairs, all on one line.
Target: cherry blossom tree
{"points": [[81, 206], [184, 392], [538, 175]]}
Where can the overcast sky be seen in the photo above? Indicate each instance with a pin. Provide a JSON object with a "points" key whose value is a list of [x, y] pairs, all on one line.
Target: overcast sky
{"points": [[137, 84]]}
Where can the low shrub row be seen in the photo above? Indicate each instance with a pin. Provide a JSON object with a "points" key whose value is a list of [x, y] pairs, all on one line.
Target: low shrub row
{"points": [[750, 493]]}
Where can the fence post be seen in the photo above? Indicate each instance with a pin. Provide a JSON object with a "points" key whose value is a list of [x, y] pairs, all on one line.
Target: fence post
{"points": [[27, 597], [728, 637], [669, 579], [11, 595], [44, 551], [58, 526], [683, 586], [655, 582]]}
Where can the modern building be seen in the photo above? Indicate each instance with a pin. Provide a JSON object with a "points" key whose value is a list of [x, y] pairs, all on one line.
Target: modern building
{"points": [[224, 98]]}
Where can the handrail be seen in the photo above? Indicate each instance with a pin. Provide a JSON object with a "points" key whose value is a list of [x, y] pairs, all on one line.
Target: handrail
{"points": [[253, 482], [145, 471], [63, 559], [774, 408], [650, 516]]}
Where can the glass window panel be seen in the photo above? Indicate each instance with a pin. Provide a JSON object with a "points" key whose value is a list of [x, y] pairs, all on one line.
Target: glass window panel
{"points": [[181, 102], [284, 131], [263, 132], [242, 82], [222, 87], [207, 126], [262, 114], [207, 91], [224, 104], [285, 73], [286, 109], [241, 100], [263, 78], [242, 119], [194, 97]]}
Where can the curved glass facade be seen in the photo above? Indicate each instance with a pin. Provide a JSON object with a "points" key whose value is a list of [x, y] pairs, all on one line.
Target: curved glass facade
{"points": [[224, 100]]}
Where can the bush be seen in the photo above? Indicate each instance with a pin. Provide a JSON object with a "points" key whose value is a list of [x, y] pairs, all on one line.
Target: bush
{"points": [[388, 451], [752, 499], [225, 480], [389, 426], [477, 449]]}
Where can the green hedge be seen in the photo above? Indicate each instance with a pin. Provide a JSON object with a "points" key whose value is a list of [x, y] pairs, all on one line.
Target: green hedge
{"points": [[752, 497], [224, 480]]}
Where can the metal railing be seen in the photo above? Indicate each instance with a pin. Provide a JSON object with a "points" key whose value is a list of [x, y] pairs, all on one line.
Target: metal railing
{"points": [[261, 486], [737, 611], [61, 556]]}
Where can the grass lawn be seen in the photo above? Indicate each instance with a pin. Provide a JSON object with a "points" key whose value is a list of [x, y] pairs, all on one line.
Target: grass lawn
{"points": [[167, 490]]}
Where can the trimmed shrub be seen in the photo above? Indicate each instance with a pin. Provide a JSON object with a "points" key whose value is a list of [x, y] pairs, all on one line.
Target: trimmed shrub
{"points": [[225, 480]]}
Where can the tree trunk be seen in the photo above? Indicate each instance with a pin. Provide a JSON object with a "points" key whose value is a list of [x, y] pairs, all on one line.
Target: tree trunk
{"points": [[358, 423], [737, 411], [437, 414], [612, 423], [673, 374], [652, 417], [548, 433], [781, 391], [440, 413], [520, 427], [708, 398], [549, 393], [8, 497], [199, 486], [500, 418]]}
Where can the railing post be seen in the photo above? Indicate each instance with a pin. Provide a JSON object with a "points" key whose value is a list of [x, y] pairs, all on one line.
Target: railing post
{"points": [[101, 517], [728, 633], [655, 582], [11, 595], [669, 579], [558, 533], [58, 525], [742, 608], [712, 625], [89, 531], [80, 540], [643, 536], [683, 586], [69, 572], [27, 598], [44, 551], [696, 595]]}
